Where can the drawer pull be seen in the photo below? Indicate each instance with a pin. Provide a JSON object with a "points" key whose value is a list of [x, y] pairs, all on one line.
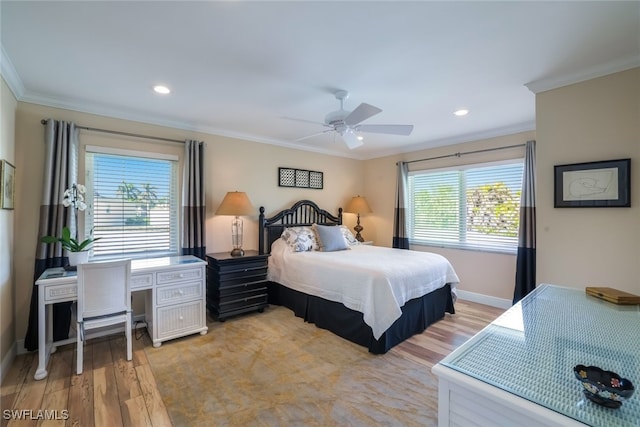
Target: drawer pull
{"points": [[181, 275]]}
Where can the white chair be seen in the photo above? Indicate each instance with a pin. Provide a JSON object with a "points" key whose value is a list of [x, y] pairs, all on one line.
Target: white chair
{"points": [[104, 299]]}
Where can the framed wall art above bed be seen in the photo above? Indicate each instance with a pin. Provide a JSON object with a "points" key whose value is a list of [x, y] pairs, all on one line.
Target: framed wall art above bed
{"points": [[300, 178]]}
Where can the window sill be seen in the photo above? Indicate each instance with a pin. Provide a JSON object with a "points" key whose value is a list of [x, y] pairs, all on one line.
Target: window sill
{"points": [[464, 247]]}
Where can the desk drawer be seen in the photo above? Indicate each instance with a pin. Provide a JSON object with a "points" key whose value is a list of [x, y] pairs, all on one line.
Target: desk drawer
{"points": [[141, 281], [176, 319], [62, 292], [179, 292], [179, 275]]}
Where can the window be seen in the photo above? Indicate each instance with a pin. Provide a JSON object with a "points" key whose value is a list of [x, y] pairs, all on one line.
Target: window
{"points": [[132, 203], [472, 207]]}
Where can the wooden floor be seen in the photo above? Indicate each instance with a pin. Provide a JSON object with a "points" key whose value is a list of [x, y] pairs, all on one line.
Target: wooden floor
{"points": [[113, 391]]}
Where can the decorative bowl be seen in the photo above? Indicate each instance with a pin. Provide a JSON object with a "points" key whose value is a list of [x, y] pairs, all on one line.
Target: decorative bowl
{"points": [[605, 388]]}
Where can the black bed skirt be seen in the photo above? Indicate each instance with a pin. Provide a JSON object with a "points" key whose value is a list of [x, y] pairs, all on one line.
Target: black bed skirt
{"points": [[417, 315]]}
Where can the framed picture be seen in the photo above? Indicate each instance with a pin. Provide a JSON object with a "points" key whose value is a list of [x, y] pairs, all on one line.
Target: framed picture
{"points": [[594, 184], [7, 185], [300, 178]]}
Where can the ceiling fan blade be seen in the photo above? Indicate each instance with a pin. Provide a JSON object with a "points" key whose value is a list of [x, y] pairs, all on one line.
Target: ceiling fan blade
{"points": [[312, 135], [389, 129], [351, 140], [362, 112]]}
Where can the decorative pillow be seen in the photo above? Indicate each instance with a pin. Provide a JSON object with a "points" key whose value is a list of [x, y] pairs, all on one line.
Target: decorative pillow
{"points": [[300, 239], [348, 236], [330, 238]]}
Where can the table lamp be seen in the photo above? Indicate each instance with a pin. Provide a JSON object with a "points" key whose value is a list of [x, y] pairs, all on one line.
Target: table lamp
{"points": [[236, 203], [358, 205]]}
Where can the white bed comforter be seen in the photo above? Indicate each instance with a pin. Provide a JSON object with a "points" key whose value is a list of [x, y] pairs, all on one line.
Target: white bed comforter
{"points": [[373, 280]]}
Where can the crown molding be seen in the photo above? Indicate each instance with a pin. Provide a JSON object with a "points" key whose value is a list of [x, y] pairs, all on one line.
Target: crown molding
{"points": [[10, 75], [458, 139], [623, 64], [101, 110]]}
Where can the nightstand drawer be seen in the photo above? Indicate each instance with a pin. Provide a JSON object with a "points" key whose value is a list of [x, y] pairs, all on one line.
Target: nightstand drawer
{"points": [[179, 275], [242, 287], [239, 267], [250, 301], [222, 282], [179, 292]]}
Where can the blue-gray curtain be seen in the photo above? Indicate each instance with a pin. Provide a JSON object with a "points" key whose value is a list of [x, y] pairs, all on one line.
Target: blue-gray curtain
{"points": [[526, 258], [60, 172], [193, 200], [400, 239]]}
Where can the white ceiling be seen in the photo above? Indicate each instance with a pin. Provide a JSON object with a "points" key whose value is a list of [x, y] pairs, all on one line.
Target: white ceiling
{"points": [[245, 69]]}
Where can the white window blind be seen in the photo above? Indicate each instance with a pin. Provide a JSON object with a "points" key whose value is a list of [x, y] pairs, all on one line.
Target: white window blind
{"points": [[132, 203], [475, 207]]}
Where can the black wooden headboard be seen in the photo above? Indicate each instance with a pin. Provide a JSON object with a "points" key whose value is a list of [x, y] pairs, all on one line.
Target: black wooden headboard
{"points": [[304, 212]]}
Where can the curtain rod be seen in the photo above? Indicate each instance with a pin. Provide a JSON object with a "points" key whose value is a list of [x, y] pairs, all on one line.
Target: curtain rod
{"points": [[115, 132], [458, 154]]}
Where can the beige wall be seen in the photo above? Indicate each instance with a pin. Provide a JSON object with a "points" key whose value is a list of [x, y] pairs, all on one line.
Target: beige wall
{"points": [[231, 165], [590, 121], [8, 106], [496, 281]]}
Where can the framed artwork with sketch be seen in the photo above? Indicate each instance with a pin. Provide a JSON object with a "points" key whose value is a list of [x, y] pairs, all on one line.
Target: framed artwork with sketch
{"points": [[605, 184], [7, 184]]}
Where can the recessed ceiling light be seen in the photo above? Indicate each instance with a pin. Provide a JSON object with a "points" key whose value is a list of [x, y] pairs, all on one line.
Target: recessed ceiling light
{"points": [[161, 89], [461, 112], [360, 137]]}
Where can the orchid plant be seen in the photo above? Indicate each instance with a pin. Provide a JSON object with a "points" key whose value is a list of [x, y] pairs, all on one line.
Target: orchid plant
{"points": [[74, 198]]}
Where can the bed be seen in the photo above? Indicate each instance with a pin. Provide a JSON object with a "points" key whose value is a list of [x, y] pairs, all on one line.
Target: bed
{"points": [[354, 293]]}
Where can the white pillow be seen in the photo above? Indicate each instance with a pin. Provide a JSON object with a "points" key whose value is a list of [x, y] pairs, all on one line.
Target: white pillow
{"points": [[330, 238], [348, 236], [300, 239]]}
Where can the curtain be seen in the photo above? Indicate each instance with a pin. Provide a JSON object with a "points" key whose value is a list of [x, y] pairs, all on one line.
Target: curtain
{"points": [[193, 200], [526, 258], [400, 239], [60, 172]]}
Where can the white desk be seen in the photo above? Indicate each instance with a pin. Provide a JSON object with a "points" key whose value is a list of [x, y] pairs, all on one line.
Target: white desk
{"points": [[175, 300], [519, 369]]}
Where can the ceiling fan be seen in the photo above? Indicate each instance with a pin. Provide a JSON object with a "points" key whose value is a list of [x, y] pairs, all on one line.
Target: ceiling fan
{"points": [[347, 123]]}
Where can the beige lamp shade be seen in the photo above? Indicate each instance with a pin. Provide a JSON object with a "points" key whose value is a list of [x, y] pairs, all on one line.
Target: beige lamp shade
{"points": [[235, 203], [358, 205]]}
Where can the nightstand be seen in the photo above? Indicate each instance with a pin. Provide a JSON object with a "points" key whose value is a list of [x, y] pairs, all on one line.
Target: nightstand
{"points": [[236, 285]]}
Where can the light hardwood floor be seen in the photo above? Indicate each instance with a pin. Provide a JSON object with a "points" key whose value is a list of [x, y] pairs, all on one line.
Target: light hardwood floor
{"points": [[113, 391]]}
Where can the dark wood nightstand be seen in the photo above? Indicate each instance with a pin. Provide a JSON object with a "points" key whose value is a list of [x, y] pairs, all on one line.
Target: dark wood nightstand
{"points": [[236, 284]]}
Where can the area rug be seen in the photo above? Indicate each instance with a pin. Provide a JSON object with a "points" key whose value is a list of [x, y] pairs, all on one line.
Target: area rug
{"points": [[272, 368]]}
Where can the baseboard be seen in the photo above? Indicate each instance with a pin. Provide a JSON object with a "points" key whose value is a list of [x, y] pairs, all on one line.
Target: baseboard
{"points": [[484, 299], [7, 361]]}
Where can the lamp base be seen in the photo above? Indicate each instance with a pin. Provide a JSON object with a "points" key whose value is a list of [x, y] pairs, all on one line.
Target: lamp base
{"points": [[358, 228], [237, 252]]}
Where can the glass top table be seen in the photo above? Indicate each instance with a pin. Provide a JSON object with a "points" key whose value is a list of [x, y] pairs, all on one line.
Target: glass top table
{"points": [[531, 350]]}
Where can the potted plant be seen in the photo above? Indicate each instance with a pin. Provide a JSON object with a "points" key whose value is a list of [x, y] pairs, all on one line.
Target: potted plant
{"points": [[78, 251]]}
